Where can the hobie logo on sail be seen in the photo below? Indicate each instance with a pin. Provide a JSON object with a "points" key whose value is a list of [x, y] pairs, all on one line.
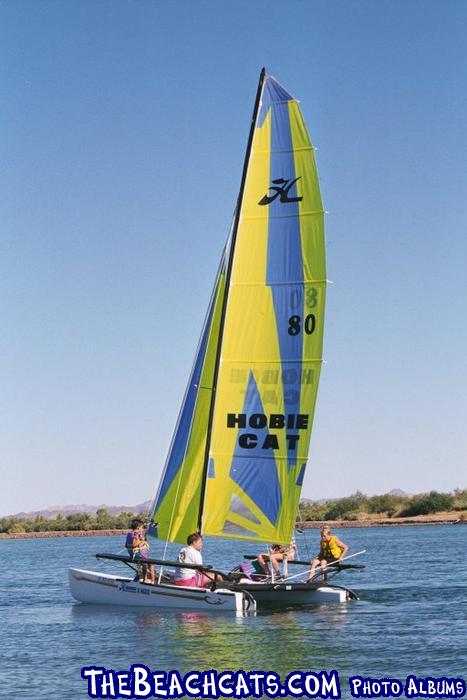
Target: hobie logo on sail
{"points": [[274, 421], [281, 188]]}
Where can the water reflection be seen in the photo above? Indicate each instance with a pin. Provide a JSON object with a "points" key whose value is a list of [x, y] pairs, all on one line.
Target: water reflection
{"points": [[403, 624]]}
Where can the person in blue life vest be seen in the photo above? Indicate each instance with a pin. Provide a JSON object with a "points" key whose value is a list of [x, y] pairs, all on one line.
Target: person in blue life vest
{"points": [[138, 549], [331, 550]]}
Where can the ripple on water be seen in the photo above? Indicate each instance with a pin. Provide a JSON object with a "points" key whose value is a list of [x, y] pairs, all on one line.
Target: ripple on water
{"points": [[411, 618]]}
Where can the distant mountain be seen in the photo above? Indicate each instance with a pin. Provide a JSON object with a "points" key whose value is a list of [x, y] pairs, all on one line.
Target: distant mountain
{"points": [[398, 492], [53, 511]]}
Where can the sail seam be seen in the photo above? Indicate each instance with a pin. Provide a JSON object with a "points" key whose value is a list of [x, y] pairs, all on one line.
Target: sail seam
{"points": [[275, 457], [282, 216], [273, 362], [283, 150], [284, 102], [278, 284]]}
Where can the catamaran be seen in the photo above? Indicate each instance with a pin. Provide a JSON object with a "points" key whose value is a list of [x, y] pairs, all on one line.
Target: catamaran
{"points": [[237, 459]]}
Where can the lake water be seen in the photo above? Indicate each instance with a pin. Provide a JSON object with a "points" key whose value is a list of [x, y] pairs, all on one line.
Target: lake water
{"points": [[411, 619]]}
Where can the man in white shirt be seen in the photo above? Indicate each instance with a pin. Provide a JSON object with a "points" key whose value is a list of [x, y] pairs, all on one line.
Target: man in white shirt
{"points": [[191, 555]]}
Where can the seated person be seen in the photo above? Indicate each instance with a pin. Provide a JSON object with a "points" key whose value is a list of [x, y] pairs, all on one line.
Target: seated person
{"points": [[191, 554], [138, 548], [331, 550], [278, 553]]}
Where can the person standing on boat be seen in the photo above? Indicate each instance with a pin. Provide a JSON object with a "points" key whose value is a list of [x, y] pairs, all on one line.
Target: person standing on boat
{"points": [[191, 554], [138, 548], [331, 550]]}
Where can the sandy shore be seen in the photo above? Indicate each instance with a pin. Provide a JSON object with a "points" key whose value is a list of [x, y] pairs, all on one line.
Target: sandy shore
{"points": [[61, 533], [437, 519]]}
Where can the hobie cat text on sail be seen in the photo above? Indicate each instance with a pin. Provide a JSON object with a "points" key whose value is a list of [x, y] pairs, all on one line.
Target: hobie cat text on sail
{"points": [[274, 421]]}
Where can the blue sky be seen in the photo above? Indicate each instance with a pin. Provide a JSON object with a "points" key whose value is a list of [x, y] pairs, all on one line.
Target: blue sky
{"points": [[122, 133]]}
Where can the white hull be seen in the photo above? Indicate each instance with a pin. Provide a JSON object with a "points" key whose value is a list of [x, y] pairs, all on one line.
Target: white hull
{"points": [[108, 589]]}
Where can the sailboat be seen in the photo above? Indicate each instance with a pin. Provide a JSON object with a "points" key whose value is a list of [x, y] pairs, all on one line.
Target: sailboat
{"points": [[238, 456]]}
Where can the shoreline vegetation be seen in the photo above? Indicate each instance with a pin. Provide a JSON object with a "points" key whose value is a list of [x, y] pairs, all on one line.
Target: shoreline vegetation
{"points": [[357, 510], [438, 519]]}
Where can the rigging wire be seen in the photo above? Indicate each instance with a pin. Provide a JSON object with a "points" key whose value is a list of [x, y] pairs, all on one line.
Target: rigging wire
{"points": [[305, 539]]}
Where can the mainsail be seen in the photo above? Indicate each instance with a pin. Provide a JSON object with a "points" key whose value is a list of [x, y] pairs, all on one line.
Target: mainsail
{"points": [[240, 449]]}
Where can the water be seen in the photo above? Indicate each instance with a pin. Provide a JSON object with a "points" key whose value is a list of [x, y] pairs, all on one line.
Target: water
{"points": [[411, 618]]}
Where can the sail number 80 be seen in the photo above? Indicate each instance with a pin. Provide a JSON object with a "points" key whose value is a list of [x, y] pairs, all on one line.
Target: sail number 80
{"points": [[309, 324]]}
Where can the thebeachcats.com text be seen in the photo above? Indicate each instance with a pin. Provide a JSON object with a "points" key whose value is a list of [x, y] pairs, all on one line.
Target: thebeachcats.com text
{"points": [[141, 682]]}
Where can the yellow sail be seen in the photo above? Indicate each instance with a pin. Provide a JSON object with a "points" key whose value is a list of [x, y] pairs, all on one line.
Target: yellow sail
{"points": [[271, 337], [238, 456]]}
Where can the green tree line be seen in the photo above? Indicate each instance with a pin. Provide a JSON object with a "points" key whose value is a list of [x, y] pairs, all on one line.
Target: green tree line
{"points": [[354, 507], [359, 506], [102, 520]]}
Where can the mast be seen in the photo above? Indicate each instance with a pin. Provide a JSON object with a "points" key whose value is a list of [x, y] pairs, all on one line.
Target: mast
{"points": [[226, 295]]}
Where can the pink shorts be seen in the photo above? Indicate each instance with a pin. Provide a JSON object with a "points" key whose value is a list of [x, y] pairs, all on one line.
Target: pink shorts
{"points": [[197, 580]]}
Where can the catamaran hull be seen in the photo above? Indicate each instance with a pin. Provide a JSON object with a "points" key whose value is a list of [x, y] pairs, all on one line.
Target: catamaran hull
{"points": [[298, 598], [107, 589], [296, 595]]}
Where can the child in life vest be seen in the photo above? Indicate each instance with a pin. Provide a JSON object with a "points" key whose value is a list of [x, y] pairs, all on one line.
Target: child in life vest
{"points": [[138, 548]]}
